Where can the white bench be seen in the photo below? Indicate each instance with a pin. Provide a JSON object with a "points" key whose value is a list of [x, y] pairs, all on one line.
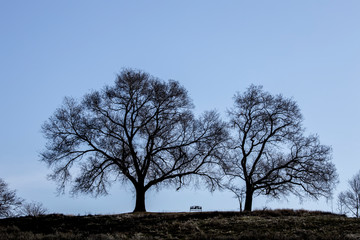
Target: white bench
{"points": [[195, 209]]}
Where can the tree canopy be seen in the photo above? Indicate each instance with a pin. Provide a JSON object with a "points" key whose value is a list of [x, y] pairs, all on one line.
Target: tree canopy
{"points": [[140, 130], [9, 202], [270, 153], [349, 200]]}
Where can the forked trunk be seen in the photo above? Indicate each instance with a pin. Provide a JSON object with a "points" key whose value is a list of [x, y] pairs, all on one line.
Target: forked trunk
{"points": [[140, 200]]}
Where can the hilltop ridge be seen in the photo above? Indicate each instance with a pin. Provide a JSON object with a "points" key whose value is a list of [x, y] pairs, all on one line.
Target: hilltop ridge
{"points": [[261, 224]]}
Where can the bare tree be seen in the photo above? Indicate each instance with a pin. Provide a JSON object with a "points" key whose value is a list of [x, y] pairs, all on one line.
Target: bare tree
{"points": [[9, 202], [141, 130], [239, 193], [349, 200], [32, 209], [270, 152]]}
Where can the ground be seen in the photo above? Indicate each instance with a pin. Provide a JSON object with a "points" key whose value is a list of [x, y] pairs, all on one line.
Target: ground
{"points": [[269, 224]]}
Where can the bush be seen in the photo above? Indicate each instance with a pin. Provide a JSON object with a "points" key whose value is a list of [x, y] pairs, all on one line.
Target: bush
{"points": [[32, 209]]}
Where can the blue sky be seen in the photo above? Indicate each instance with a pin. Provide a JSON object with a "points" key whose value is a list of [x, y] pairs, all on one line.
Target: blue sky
{"points": [[308, 50]]}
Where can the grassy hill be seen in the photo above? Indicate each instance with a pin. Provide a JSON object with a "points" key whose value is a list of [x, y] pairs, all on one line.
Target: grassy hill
{"points": [[270, 224]]}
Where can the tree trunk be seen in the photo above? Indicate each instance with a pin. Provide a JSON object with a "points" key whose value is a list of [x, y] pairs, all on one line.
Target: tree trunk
{"points": [[248, 200], [140, 199], [240, 202]]}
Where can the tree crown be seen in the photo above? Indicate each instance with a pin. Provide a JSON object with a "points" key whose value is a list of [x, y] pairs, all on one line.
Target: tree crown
{"points": [[141, 130]]}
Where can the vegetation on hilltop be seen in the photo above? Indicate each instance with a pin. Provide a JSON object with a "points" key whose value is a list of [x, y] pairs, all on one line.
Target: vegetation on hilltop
{"points": [[269, 224]]}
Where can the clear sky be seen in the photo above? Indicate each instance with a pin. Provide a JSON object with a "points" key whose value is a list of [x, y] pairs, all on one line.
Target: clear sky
{"points": [[308, 50]]}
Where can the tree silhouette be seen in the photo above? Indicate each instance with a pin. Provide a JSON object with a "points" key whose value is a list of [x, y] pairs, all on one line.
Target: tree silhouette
{"points": [[32, 209], [141, 130], [9, 202], [349, 200], [270, 153]]}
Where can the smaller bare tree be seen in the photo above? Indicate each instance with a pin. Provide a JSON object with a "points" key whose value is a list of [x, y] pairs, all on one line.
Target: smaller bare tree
{"points": [[349, 200], [33, 209], [239, 193], [9, 202], [270, 153]]}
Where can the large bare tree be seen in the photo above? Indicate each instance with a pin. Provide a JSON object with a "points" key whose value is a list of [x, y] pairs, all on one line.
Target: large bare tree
{"points": [[141, 130], [270, 153], [9, 202], [349, 200]]}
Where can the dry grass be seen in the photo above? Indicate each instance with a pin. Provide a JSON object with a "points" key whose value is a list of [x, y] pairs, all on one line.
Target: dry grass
{"points": [[274, 224]]}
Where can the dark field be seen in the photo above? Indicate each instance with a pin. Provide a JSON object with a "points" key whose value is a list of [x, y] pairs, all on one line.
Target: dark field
{"points": [[272, 224]]}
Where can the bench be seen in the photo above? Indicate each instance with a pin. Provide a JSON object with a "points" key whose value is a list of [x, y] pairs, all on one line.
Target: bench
{"points": [[195, 209]]}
